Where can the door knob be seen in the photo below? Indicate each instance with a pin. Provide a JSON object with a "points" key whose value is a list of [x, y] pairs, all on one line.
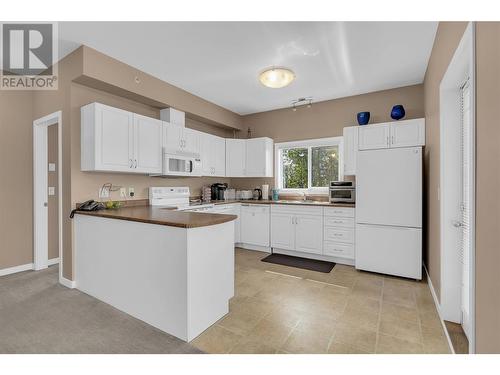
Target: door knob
{"points": [[45, 204]]}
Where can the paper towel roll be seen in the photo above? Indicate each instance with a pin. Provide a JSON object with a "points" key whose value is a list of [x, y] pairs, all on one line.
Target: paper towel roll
{"points": [[265, 192]]}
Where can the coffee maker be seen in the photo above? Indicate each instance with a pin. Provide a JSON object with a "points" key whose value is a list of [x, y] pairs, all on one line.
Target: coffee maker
{"points": [[218, 191]]}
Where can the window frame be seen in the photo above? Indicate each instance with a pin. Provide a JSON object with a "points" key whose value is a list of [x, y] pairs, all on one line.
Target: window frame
{"points": [[309, 144]]}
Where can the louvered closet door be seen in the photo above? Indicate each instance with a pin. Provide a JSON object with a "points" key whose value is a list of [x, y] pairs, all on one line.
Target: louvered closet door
{"points": [[467, 140]]}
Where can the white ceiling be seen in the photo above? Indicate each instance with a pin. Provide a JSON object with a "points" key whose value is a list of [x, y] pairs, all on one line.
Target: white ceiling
{"points": [[220, 61]]}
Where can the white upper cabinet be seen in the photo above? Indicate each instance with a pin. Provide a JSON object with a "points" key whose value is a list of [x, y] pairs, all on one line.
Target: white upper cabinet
{"points": [[259, 157], [249, 157], [213, 155], [235, 157], [350, 149], [406, 133], [115, 140], [373, 136], [177, 138], [147, 144]]}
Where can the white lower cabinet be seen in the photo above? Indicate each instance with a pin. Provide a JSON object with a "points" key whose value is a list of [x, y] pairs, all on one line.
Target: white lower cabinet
{"points": [[231, 209], [338, 232], [297, 228], [255, 224]]}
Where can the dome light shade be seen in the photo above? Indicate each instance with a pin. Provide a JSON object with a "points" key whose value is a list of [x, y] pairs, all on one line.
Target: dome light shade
{"points": [[276, 77]]}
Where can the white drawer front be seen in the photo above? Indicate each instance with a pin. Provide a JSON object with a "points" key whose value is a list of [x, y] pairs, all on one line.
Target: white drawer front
{"points": [[296, 209], [337, 249], [339, 211], [339, 234], [345, 222]]}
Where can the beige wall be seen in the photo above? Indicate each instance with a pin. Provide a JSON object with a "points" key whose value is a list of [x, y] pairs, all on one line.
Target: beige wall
{"points": [[16, 168], [328, 118], [447, 38], [53, 200], [488, 188]]}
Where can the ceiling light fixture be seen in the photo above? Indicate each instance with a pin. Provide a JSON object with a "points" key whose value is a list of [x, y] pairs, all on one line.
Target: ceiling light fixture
{"points": [[276, 77]]}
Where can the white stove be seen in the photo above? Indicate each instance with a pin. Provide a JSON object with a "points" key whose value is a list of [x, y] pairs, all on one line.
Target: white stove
{"points": [[175, 197]]}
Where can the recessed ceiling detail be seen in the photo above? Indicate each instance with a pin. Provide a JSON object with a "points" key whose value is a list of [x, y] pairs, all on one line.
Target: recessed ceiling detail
{"points": [[218, 61]]}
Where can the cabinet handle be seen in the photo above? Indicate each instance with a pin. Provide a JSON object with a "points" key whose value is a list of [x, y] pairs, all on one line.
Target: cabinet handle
{"points": [[392, 140], [131, 163], [135, 163]]}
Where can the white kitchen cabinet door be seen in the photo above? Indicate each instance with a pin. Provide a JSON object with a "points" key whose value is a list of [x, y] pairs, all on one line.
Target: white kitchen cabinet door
{"points": [[350, 149], [309, 234], [219, 161], [259, 157], [191, 141], [372, 137], [255, 225], [408, 133], [207, 154], [283, 231], [106, 139], [235, 157], [147, 145], [172, 137]]}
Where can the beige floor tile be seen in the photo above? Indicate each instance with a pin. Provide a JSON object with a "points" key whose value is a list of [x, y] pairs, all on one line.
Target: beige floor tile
{"points": [[369, 304], [302, 342], [401, 329], [246, 289], [430, 318], [255, 306], [318, 323], [285, 315], [239, 322], [397, 312], [216, 340], [359, 318], [246, 346], [366, 290], [341, 348], [434, 340], [403, 296], [357, 337], [392, 345], [272, 333]]}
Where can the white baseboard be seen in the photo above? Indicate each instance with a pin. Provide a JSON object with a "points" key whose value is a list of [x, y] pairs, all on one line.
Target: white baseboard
{"points": [[51, 262], [21, 268], [67, 283], [253, 247], [438, 308]]}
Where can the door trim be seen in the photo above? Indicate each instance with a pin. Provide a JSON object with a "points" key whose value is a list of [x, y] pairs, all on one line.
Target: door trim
{"points": [[461, 66], [40, 251]]}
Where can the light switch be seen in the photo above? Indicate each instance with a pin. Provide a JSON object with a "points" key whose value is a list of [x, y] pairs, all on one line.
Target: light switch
{"points": [[52, 167], [52, 190]]}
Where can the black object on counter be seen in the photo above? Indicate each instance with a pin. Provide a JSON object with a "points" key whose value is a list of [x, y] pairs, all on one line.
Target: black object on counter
{"points": [[218, 191]]}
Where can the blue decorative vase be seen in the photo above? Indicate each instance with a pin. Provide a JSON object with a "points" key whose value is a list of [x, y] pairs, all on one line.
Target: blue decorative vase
{"points": [[363, 118], [398, 112]]}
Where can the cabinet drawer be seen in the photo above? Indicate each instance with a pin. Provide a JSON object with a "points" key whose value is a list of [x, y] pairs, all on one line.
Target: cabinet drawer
{"points": [[339, 234], [337, 249], [339, 211], [345, 222], [296, 209]]}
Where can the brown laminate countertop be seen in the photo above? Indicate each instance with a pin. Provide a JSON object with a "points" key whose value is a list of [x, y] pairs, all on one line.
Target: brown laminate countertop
{"points": [[162, 216], [290, 202]]}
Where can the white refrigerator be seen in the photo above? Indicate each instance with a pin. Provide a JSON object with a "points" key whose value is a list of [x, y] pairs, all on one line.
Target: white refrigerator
{"points": [[389, 211]]}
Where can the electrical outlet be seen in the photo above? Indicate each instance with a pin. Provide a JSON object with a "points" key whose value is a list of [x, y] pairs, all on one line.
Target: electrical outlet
{"points": [[123, 192], [131, 192], [103, 193]]}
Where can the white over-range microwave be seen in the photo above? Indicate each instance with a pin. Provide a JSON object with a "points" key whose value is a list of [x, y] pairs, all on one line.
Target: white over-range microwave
{"points": [[181, 164]]}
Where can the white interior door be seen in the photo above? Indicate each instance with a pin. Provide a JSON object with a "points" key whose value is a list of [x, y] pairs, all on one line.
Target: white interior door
{"points": [[465, 206], [41, 234]]}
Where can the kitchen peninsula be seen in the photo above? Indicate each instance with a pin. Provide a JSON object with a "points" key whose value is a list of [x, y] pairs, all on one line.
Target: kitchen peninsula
{"points": [[173, 270]]}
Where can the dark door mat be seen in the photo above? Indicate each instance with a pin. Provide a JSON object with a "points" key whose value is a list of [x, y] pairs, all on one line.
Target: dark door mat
{"points": [[298, 262]]}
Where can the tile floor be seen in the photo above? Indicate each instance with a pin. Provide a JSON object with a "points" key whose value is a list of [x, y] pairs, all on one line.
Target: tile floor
{"points": [[278, 309]]}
